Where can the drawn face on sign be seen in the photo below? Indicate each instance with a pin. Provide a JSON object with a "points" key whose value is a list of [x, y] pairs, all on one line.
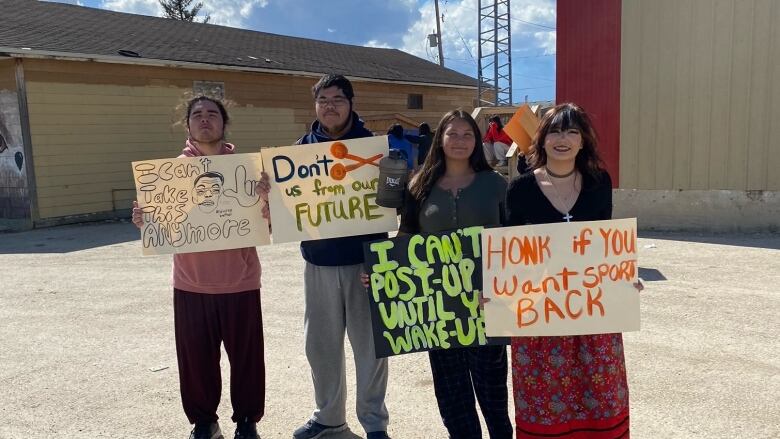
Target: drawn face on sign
{"points": [[207, 191]]}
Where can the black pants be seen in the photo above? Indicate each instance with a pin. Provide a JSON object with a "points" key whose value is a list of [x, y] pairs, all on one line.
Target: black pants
{"points": [[460, 373], [202, 323]]}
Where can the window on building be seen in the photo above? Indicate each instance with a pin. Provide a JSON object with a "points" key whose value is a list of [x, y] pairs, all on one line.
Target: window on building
{"points": [[208, 88], [414, 102]]}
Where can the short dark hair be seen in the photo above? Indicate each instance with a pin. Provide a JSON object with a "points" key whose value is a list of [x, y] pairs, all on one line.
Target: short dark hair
{"points": [[424, 128], [217, 102], [210, 174], [396, 130], [334, 80]]}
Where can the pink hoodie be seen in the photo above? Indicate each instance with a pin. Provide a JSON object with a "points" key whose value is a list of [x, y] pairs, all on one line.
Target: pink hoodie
{"points": [[220, 271]]}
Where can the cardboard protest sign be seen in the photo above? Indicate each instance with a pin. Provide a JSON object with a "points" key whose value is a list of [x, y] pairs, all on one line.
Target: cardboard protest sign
{"points": [[327, 190], [522, 126], [197, 204], [425, 292], [561, 279]]}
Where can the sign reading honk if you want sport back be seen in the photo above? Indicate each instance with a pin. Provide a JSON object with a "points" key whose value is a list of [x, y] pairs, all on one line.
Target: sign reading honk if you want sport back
{"points": [[327, 190]]}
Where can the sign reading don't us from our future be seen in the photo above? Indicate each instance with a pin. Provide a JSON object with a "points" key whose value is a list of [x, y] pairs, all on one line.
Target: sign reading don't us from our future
{"points": [[424, 292], [196, 204], [327, 190]]}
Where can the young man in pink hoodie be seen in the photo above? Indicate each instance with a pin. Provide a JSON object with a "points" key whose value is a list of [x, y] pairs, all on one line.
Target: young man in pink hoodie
{"points": [[216, 299]]}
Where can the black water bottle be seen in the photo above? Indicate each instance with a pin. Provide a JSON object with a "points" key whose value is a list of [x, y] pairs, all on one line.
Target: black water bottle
{"points": [[392, 180]]}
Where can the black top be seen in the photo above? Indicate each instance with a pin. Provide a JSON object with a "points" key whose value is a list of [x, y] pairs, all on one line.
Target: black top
{"points": [[336, 251], [526, 204], [481, 203]]}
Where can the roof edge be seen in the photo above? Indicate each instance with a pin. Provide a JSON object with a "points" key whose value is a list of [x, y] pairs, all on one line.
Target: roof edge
{"points": [[14, 52]]}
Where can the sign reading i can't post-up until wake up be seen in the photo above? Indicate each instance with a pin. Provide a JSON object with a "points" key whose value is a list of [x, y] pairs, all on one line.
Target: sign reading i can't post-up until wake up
{"points": [[196, 204], [561, 279], [424, 292], [327, 190]]}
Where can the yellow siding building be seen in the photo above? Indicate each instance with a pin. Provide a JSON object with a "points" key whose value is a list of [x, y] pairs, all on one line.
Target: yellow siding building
{"points": [[89, 114]]}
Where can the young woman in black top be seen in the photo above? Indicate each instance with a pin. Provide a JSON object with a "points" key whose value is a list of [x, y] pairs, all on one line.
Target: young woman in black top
{"points": [[572, 386]]}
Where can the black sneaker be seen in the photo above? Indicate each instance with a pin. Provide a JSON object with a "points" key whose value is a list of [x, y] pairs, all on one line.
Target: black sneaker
{"points": [[314, 430], [377, 435], [206, 430], [246, 430]]}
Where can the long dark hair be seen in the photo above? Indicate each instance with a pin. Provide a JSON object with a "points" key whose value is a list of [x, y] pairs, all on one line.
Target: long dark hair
{"points": [[435, 164], [564, 117]]}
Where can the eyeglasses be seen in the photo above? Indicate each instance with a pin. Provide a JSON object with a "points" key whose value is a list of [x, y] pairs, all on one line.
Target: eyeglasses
{"points": [[337, 101], [214, 191]]}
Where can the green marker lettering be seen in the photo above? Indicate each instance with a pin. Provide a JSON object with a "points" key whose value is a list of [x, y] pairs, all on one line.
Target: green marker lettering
{"points": [[466, 268], [403, 274], [414, 241], [474, 234], [473, 304], [451, 280], [465, 339], [385, 263]]}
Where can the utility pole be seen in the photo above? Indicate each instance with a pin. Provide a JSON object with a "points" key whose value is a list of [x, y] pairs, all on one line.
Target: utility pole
{"points": [[438, 35]]}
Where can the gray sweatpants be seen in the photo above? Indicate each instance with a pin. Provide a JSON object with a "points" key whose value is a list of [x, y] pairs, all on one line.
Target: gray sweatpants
{"points": [[335, 301]]}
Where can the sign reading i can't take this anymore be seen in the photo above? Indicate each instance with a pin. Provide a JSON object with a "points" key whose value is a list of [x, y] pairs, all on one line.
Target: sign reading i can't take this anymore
{"points": [[196, 204]]}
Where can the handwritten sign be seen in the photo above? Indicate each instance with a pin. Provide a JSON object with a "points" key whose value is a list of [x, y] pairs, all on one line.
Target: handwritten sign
{"points": [[425, 291], [561, 279], [197, 204], [521, 128], [327, 190]]}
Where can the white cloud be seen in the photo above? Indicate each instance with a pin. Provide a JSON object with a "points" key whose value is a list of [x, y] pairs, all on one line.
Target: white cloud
{"points": [[375, 43], [546, 41], [143, 7], [331, 30], [233, 13]]}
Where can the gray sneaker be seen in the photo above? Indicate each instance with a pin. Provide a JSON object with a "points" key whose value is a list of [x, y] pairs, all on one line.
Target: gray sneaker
{"points": [[313, 430], [206, 430]]}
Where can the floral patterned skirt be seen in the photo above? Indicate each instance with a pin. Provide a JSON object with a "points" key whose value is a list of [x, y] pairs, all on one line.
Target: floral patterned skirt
{"points": [[570, 387]]}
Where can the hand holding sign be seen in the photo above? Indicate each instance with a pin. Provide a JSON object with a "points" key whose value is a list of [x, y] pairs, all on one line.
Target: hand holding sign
{"points": [[262, 188]]}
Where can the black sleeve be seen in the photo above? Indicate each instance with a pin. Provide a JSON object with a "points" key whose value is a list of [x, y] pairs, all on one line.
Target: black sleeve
{"points": [[515, 214], [412, 138], [410, 219], [608, 194]]}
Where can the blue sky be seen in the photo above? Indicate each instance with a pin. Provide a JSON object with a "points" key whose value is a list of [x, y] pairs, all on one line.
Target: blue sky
{"points": [[400, 24]]}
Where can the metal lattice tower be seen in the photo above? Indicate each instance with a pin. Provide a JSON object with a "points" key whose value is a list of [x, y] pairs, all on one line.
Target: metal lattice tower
{"points": [[495, 54]]}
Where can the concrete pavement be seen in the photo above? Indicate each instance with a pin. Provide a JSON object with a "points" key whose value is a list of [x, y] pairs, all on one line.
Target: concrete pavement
{"points": [[87, 351]]}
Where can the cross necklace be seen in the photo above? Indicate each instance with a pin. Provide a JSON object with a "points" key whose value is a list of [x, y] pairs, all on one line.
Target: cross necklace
{"points": [[568, 216]]}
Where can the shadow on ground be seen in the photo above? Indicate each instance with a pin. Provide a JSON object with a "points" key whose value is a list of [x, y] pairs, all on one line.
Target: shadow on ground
{"points": [[66, 239]]}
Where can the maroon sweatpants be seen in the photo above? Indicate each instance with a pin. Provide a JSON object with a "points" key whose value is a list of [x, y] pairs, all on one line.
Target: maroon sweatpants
{"points": [[202, 322]]}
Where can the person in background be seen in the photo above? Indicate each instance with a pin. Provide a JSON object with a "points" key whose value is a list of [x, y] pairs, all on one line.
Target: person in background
{"points": [[456, 188], [335, 300], [496, 142], [398, 141], [570, 386], [216, 300], [423, 140]]}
